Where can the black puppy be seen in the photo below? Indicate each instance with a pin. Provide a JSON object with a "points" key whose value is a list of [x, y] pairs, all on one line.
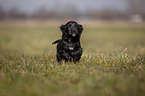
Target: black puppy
{"points": [[68, 51], [69, 47]]}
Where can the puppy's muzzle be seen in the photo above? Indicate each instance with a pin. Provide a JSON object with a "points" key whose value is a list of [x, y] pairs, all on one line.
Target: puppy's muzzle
{"points": [[74, 31]]}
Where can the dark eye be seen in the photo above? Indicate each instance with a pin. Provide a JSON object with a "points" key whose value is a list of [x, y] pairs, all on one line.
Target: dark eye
{"points": [[75, 24], [69, 25]]}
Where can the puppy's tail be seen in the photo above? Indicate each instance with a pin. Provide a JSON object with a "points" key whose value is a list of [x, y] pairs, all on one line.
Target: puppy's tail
{"points": [[56, 41]]}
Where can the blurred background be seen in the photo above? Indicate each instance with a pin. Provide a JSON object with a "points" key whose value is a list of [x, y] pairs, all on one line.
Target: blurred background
{"points": [[83, 10], [113, 43], [108, 24]]}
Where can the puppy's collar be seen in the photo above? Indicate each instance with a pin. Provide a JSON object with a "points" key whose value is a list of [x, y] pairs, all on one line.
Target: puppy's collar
{"points": [[65, 42]]}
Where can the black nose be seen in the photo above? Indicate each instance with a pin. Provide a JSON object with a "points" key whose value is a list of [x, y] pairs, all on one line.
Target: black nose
{"points": [[73, 30]]}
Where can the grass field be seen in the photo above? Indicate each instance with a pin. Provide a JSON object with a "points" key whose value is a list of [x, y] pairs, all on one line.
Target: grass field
{"points": [[112, 64]]}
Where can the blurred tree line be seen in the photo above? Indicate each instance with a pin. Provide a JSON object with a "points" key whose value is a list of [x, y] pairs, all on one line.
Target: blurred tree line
{"points": [[134, 7]]}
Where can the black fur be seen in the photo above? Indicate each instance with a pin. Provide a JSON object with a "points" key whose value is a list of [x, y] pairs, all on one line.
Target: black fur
{"points": [[68, 51], [69, 47]]}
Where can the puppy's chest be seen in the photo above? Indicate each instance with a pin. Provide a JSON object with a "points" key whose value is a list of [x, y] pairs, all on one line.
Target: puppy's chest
{"points": [[73, 39], [71, 46]]}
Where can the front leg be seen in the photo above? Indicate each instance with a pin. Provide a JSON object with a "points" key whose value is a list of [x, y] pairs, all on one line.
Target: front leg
{"points": [[66, 57], [77, 54]]}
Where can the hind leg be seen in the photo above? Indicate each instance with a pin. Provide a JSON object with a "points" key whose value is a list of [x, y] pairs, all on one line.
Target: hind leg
{"points": [[59, 58]]}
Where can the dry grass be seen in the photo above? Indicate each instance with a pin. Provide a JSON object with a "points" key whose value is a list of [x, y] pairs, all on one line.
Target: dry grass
{"points": [[112, 64]]}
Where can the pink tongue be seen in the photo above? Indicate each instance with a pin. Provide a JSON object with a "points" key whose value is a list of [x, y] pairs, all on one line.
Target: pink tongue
{"points": [[73, 34], [71, 48]]}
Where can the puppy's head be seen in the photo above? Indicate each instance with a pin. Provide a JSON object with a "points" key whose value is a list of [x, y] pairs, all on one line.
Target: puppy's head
{"points": [[72, 28]]}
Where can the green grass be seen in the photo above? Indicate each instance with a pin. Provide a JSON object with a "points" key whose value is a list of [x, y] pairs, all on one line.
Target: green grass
{"points": [[112, 64]]}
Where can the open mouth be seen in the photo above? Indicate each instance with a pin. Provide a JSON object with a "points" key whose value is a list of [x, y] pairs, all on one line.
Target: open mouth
{"points": [[73, 35], [71, 48]]}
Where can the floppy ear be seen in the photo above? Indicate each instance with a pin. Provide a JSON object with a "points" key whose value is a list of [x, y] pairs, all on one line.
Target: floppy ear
{"points": [[64, 36], [80, 28], [63, 28]]}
